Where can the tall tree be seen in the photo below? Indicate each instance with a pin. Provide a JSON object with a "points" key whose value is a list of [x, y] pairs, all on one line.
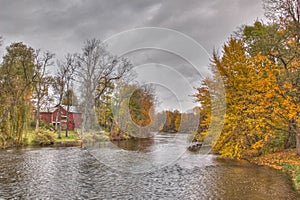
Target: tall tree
{"points": [[173, 121], [280, 41], [16, 79], [104, 109], [42, 80], [70, 66], [134, 110], [61, 84], [97, 69], [203, 97]]}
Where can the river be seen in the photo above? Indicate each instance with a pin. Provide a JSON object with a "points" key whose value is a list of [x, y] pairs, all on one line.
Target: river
{"points": [[148, 169]]}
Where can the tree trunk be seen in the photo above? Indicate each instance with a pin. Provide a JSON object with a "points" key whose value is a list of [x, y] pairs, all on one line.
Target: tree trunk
{"points": [[298, 143], [37, 120], [59, 126], [67, 127], [58, 119], [296, 130], [290, 141]]}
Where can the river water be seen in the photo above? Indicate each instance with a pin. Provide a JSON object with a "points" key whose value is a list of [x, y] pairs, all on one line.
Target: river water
{"points": [[147, 169]]}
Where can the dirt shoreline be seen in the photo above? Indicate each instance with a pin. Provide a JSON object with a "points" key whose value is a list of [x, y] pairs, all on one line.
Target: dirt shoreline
{"points": [[286, 161]]}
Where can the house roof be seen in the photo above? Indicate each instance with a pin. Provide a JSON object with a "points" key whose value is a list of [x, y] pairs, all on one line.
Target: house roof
{"points": [[72, 109]]}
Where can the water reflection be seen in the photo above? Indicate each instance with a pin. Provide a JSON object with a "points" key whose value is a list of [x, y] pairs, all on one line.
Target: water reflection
{"points": [[140, 155], [138, 144]]}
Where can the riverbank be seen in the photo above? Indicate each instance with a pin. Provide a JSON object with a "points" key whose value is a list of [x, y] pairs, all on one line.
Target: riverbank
{"points": [[73, 139], [286, 161], [52, 140]]}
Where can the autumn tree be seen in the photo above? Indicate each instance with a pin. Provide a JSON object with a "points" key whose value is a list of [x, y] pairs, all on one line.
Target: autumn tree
{"points": [[173, 121], [133, 110], [256, 112], [260, 70], [16, 79], [141, 103], [104, 109], [279, 41], [233, 69], [203, 97], [251, 88]]}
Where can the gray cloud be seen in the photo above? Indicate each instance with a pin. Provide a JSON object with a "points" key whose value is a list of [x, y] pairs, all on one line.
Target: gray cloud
{"points": [[62, 26]]}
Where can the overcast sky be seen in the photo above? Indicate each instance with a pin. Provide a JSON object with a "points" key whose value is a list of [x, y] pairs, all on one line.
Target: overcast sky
{"points": [[62, 26]]}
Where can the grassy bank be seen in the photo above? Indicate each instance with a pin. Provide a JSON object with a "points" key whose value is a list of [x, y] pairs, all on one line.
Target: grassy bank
{"points": [[73, 139], [286, 161]]}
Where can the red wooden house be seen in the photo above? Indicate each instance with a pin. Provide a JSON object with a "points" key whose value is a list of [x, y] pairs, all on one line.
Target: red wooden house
{"points": [[52, 116]]}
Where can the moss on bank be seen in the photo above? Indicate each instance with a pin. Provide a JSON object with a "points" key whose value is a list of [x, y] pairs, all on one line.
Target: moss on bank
{"points": [[286, 161]]}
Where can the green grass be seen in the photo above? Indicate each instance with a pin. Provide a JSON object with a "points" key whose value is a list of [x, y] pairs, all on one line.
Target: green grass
{"points": [[72, 137], [286, 160], [289, 167], [294, 171], [297, 180]]}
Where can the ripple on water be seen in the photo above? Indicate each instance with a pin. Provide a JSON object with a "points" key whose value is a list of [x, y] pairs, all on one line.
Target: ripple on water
{"points": [[73, 173]]}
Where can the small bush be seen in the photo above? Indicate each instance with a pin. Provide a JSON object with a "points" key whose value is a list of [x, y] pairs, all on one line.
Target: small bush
{"points": [[48, 126], [32, 124], [44, 137], [297, 180], [275, 144], [91, 138], [288, 167], [25, 141]]}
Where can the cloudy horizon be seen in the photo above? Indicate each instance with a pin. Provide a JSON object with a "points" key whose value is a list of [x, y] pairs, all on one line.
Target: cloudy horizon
{"points": [[62, 27]]}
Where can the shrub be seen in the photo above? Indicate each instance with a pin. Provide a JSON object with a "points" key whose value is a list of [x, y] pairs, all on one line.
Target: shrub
{"points": [[32, 124], [288, 167], [297, 179], [44, 137], [91, 138], [275, 144], [47, 126]]}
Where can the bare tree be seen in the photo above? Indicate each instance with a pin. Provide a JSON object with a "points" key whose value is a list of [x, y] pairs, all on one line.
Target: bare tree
{"points": [[61, 83], [70, 66], [41, 81], [283, 11], [97, 69]]}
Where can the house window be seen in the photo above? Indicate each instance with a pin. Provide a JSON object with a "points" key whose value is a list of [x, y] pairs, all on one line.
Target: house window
{"points": [[63, 118]]}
